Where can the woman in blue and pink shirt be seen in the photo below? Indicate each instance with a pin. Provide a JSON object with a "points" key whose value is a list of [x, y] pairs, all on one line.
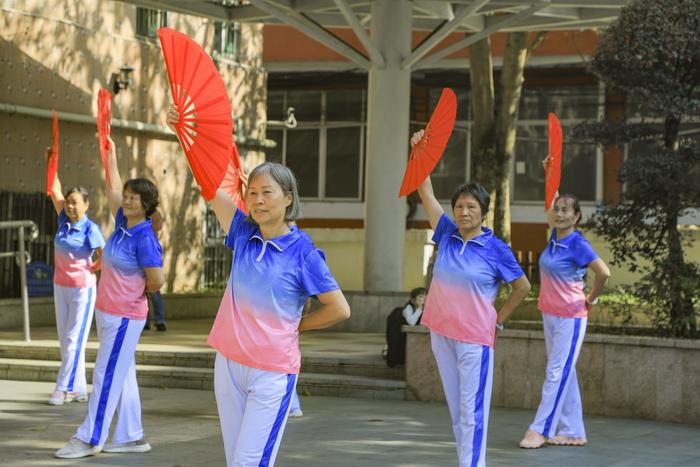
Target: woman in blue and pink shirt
{"points": [[471, 265], [564, 306], [131, 265], [78, 248]]}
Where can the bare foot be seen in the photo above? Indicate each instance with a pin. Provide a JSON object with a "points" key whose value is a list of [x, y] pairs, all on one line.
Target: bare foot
{"points": [[560, 440], [532, 440]]}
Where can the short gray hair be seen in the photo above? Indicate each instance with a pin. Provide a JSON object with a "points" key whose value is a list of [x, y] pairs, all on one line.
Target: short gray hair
{"points": [[285, 178]]}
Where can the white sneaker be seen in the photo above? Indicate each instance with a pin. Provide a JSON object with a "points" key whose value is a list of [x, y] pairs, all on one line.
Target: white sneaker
{"points": [[77, 448], [75, 397], [57, 398], [134, 446], [297, 414]]}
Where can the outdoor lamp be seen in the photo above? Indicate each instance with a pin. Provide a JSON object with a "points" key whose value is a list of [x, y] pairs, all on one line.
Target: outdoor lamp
{"points": [[123, 79]]}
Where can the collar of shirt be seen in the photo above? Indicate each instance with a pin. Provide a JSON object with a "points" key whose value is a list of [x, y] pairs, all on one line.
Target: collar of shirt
{"points": [[564, 242], [480, 240], [280, 243], [78, 225], [129, 232]]}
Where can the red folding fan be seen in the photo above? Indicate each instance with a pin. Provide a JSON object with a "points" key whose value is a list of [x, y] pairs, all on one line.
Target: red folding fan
{"points": [[205, 128], [552, 169], [427, 152], [104, 121], [52, 163], [235, 180]]}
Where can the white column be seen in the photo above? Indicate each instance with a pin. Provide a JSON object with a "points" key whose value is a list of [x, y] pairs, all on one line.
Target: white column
{"points": [[387, 147]]}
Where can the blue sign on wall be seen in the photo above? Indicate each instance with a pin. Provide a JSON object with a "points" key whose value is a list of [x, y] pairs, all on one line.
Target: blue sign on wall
{"points": [[39, 279]]}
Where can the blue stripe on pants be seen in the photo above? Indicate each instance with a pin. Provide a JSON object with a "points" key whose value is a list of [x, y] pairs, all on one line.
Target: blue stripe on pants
{"points": [[79, 345], [281, 415], [107, 381], [479, 406], [564, 376]]}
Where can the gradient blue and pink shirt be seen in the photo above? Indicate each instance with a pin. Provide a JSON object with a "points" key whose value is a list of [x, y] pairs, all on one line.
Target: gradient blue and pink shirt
{"points": [[563, 264], [257, 324], [466, 279], [122, 287], [74, 245]]}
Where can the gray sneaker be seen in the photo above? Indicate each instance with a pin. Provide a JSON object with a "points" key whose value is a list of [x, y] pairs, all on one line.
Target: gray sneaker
{"points": [[77, 448], [134, 446]]}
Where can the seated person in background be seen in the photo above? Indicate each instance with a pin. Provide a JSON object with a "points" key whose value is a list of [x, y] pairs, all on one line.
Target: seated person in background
{"points": [[408, 314]]}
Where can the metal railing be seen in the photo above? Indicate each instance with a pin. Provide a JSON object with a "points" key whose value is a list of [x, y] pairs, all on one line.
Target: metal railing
{"points": [[22, 258]]}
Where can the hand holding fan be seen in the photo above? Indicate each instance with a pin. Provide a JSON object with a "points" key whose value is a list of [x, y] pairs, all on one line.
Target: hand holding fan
{"points": [[235, 180], [205, 128], [104, 121], [552, 169], [52, 161], [427, 152]]}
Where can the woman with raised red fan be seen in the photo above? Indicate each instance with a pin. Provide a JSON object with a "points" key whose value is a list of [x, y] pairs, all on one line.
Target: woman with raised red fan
{"points": [[256, 332], [132, 265], [564, 306], [78, 248], [470, 267]]}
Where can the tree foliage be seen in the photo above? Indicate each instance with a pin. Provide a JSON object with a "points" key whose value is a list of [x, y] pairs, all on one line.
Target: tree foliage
{"points": [[651, 54]]}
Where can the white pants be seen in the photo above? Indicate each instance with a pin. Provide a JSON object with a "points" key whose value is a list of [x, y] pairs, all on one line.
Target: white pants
{"points": [[560, 411], [253, 407], [74, 310], [295, 405], [114, 386], [466, 371]]}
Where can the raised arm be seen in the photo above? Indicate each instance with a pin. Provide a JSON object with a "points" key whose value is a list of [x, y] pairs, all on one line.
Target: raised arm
{"points": [[114, 193], [56, 189], [427, 197], [334, 309]]}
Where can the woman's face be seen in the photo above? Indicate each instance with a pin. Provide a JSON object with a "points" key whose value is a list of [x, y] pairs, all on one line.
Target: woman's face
{"points": [[418, 301], [75, 206], [562, 214], [467, 212], [266, 200], [132, 205]]}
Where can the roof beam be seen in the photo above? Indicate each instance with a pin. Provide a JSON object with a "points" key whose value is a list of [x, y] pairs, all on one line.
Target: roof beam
{"points": [[359, 30], [501, 23], [197, 8], [441, 32], [315, 31]]}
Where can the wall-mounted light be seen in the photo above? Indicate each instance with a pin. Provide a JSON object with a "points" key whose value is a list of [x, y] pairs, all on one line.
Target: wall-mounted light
{"points": [[123, 79]]}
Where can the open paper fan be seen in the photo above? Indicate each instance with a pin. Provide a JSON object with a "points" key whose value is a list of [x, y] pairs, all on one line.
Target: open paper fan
{"points": [[52, 164], [234, 180], [427, 152], [205, 128], [552, 169], [104, 121]]}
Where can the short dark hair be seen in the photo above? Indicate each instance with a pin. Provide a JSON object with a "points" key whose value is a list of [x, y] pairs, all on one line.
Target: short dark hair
{"points": [[285, 178], [79, 189], [418, 291], [148, 192], [477, 191], [574, 203]]}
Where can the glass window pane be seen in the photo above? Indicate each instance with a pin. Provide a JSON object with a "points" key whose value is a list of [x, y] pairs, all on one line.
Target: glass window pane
{"points": [[342, 162], [344, 105], [578, 171], [302, 158], [307, 105], [275, 106], [275, 154], [566, 102]]}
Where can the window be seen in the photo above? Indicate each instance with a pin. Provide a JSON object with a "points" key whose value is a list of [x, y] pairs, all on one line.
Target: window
{"points": [[579, 161], [326, 149], [149, 21], [227, 37]]}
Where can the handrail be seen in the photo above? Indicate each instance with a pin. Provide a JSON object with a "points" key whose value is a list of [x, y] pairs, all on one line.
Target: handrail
{"points": [[22, 257]]}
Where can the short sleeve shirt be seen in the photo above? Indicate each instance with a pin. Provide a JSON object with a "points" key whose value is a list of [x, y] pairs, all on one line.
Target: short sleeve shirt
{"points": [[466, 279], [258, 319], [563, 264], [73, 248], [122, 287]]}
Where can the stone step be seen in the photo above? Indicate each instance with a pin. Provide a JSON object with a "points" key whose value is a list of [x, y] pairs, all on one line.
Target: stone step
{"points": [[312, 362], [202, 378]]}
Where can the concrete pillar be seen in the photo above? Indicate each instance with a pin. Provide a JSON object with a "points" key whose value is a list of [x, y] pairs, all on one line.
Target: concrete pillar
{"points": [[387, 147]]}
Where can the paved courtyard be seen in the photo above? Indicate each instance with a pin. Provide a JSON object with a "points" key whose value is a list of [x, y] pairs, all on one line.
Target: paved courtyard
{"points": [[183, 428]]}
